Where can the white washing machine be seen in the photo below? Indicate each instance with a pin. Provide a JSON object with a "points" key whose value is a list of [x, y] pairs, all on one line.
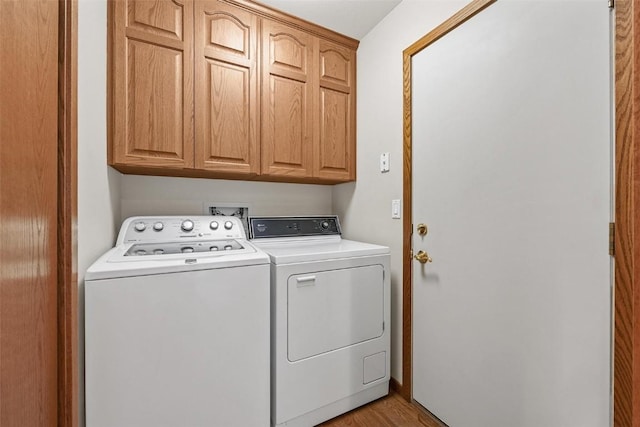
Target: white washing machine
{"points": [[330, 342], [177, 327]]}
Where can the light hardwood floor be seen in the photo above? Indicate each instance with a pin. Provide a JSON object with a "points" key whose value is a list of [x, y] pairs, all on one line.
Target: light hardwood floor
{"points": [[389, 411]]}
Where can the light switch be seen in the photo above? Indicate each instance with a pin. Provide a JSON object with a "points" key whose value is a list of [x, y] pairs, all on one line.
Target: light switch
{"points": [[384, 162], [395, 209]]}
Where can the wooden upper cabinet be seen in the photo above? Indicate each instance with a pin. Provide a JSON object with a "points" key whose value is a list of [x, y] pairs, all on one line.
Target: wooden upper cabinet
{"points": [[288, 94], [151, 96], [226, 100], [334, 153], [229, 89]]}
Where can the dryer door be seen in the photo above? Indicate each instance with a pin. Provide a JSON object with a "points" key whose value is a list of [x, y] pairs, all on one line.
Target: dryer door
{"points": [[332, 309]]}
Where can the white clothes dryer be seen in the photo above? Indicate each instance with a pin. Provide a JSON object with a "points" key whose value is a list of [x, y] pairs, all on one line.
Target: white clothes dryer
{"points": [[177, 326], [330, 341]]}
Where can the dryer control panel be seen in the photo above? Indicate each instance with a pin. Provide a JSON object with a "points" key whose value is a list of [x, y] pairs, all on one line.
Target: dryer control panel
{"points": [[289, 226]]}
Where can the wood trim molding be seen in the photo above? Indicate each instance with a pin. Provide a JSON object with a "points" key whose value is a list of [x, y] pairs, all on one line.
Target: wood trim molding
{"points": [[457, 19], [111, 74], [464, 14], [626, 352], [406, 389], [67, 293], [395, 385]]}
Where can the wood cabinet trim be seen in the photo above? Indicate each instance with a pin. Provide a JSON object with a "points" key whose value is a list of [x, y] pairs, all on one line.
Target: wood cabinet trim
{"points": [[201, 173], [154, 39], [116, 123], [295, 22]]}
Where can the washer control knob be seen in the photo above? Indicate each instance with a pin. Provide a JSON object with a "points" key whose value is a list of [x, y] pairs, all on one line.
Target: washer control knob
{"points": [[187, 225], [228, 225], [187, 250], [324, 225], [213, 225], [140, 227], [158, 226]]}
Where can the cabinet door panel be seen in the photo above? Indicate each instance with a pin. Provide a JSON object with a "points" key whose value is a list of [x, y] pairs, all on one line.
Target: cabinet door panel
{"points": [[229, 34], [335, 148], [151, 85], [334, 153], [228, 118], [160, 17], [155, 94], [287, 101], [227, 96], [286, 52], [288, 122], [335, 66]]}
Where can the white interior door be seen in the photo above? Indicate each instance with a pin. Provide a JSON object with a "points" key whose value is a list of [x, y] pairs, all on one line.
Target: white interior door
{"points": [[511, 173]]}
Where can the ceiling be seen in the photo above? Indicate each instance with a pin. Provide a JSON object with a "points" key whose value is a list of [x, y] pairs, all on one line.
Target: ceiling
{"points": [[353, 18]]}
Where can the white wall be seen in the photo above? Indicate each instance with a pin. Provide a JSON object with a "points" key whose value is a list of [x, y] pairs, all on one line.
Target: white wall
{"points": [[98, 185], [365, 206], [150, 195]]}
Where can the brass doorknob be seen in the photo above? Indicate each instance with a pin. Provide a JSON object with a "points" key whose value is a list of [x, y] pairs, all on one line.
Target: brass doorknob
{"points": [[422, 229], [423, 257]]}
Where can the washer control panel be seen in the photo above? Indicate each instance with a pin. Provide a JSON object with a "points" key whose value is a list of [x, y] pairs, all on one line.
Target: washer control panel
{"points": [[174, 228], [263, 227]]}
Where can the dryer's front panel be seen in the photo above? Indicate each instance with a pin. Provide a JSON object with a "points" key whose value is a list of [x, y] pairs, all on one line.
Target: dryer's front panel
{"points": [[329, 310]]}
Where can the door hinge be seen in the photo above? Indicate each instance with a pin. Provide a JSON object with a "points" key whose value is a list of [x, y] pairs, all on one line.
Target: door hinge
{"points": [[612, 238], [611, 4]]}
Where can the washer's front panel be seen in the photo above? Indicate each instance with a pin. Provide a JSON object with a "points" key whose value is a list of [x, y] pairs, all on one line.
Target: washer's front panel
{"points": [[178, 349], [329, 310]]}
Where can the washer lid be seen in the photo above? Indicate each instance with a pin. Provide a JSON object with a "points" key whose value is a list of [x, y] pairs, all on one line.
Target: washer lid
{"points": [[289, 251]]}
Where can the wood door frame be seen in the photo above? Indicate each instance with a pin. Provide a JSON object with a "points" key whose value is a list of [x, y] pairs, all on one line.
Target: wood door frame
{"points": [[626, 347], [626, 332], [67, 291]]}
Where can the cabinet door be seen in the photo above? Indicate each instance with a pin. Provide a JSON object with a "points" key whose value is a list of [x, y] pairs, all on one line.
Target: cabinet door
{"points": [[226, 108], [287, 100], [334, 153], [152, 83]]}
